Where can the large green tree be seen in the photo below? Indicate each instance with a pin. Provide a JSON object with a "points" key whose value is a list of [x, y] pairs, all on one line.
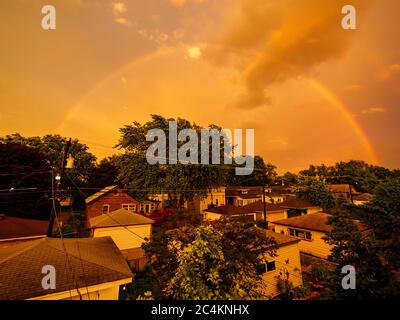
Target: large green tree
{"points": [[316, 191], [264, 173], [218, 261], [180, 181], [25, 181], [375, 252], [52, 146]]}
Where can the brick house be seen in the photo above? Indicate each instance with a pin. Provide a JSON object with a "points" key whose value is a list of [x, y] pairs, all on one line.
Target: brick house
{"points": [[111, 199]]}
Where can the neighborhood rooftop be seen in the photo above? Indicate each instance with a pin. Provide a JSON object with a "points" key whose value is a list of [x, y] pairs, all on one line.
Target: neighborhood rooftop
{"points": [[100, 193], [92, 261], [12, 227], [121, 217]]}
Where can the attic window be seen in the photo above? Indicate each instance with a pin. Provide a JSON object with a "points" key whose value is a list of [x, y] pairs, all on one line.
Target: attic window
{"points": [[106, 209]]}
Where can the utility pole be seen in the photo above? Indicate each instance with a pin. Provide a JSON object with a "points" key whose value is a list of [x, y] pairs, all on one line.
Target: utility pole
{"points": [[56, 194], [263, 191]]}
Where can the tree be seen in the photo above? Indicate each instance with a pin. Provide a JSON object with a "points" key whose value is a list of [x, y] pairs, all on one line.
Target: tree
{"points": [[218, 261], [25, 181], [52, 146], [105, 174], [181, 181], [264, 173], [317, 192], [375, 253]]}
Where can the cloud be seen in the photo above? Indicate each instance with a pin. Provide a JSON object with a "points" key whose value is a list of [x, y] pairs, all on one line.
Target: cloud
{"points": [[118, 8], [177, 3], [194, 53], [271, 41], [122, 21], [390, 72], [373, 110]]}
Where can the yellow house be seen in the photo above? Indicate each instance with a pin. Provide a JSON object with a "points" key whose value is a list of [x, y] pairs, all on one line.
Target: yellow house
{"points": [[83, 269], [128, 230], [285, 266], [229, 211], [309, 229], [215, 198], [297, 206], [273, 211]]}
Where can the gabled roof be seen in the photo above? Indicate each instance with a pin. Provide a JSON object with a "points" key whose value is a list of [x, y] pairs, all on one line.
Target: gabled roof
{"points": [[12, 227], [363, 197], [344, 188], [91, 261], [100, 193], [259, 207], [121, 217], [314, 222], [297, 203], [225, 209], [281, 239]]}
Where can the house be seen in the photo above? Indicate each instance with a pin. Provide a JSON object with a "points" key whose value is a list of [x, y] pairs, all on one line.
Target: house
{"points": [[229, 211], [215, 198], [297, 206], [310, 229], [240, 196], [274, 211], [362, 199], [285, 266], [112, 198], [84, 269], [128, 230], [347, 190], [14, 230]]}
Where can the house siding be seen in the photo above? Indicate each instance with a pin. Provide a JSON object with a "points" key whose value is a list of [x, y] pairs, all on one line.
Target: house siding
{"points": [[288, 260], [125, 237], [316, 247]]}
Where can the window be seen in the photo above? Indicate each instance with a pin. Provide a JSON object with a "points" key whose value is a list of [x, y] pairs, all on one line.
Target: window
{"points": [[271, 266], [216, 202], [130, 207], [305, 235], [106, 209]]}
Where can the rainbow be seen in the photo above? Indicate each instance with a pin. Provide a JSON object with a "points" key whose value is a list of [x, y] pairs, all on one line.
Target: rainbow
{"points": [[316, 84]]}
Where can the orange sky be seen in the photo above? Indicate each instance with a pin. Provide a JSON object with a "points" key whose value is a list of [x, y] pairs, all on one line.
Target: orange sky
{"points": [[312, 91]]}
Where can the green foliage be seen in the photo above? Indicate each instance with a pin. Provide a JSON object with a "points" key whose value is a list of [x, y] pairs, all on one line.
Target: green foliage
{"points": [[374, 254], [362, 176], [263, 174], [217, 261], [181, 181], [52, 146], [317, 192], [26, 170]]}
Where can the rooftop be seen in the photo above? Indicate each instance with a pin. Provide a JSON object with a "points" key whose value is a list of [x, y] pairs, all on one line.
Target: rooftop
{"points": [[297, 203], [100, 193], [314, 221], [121, 217], [281, 239], [92, 261], [12, 227]]}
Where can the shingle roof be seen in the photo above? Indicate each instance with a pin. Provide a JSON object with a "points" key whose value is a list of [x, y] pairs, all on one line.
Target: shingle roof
{"points": [[226, 209], [281, 239], [259, 207], [314, 221], [12, 227], [100, 193], [363, 197], [92, 261], [297, 203], [345, 188], [120, 217]]}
